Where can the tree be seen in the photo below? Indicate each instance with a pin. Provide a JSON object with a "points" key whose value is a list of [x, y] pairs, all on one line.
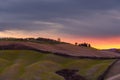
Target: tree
{"points": [[59, 39], [76, 43], [85, 45]]}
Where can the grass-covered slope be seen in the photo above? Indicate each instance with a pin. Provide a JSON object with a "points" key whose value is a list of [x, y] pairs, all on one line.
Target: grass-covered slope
{"points": [[31, 65]]}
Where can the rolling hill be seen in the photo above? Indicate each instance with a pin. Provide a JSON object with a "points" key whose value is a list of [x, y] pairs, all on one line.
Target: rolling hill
{"points": [[26, 60], [59, 49], [32, 65]]}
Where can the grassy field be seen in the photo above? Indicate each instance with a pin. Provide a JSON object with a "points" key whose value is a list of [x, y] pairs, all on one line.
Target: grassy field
{"points": [[31, 65]]}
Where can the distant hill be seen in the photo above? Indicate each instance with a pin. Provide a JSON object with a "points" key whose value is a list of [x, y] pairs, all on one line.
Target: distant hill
{"points": [[58, 49], [113, 50]]}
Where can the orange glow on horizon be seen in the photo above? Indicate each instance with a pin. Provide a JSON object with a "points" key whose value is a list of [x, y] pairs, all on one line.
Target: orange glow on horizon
{"points": [[99, 43]]}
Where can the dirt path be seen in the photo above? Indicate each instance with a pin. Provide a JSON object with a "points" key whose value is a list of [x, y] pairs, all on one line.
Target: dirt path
{"points": [[116, 77], [114, 72]]}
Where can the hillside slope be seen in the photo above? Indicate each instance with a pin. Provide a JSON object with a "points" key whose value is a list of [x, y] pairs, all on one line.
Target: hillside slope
{"points": [[60, 49], [31, 65]]}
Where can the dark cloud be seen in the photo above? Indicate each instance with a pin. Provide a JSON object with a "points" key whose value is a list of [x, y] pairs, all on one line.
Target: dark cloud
{"points": [[77, 17], [99, 25]]}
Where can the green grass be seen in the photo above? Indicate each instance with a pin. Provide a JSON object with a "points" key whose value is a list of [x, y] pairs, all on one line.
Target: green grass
{"points": [[31, 65]]}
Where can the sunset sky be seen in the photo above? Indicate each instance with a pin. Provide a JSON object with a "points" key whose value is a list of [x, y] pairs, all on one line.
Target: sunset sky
{"points": [[94, 21]]}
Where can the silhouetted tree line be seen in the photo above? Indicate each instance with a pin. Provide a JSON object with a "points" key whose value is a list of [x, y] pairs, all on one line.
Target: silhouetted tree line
{"points": [[43, 40], [39, 40], [83, 44]]}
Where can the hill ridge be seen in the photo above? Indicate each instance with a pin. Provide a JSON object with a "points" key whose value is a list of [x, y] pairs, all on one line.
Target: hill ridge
{"points": [[58, 49]]}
